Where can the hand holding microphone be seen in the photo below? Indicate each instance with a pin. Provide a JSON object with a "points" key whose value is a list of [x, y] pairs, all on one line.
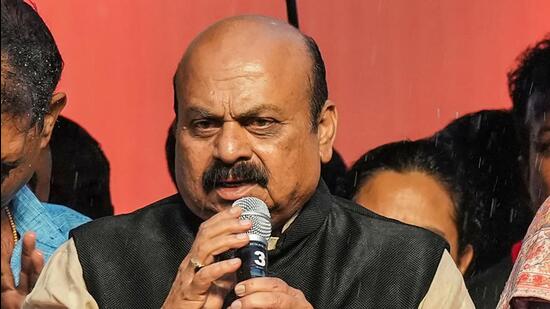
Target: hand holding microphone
{"points": [[201, 282]]}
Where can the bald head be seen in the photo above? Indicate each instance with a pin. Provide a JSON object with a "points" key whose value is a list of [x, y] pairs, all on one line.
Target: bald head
{"points": [[253, 43], [248, 32]]}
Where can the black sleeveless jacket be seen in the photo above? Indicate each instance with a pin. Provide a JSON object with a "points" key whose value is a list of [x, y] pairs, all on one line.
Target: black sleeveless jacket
{"points": [[337, 253]]}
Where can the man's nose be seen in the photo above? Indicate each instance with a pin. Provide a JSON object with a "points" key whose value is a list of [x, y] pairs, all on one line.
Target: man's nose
{"points": [[232, 144]]}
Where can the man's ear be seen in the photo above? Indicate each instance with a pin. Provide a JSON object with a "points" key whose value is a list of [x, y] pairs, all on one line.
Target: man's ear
{"points": [[326, 132], [56, 106]]}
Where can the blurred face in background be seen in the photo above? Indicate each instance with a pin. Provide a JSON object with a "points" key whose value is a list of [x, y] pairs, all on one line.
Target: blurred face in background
{"points": [[418, 199], [538, 118], [22, 139], [20, 150]]}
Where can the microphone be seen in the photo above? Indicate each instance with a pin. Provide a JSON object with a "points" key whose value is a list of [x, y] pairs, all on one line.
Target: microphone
{"points": [[254, 255]]}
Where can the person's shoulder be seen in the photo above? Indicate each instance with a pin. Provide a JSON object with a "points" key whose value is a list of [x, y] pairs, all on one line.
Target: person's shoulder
{"points": [[374, 223], [357, 212], [402, 253]]}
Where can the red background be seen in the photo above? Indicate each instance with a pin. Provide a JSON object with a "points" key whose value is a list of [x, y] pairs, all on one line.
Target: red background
{"points": [[396, 69]]}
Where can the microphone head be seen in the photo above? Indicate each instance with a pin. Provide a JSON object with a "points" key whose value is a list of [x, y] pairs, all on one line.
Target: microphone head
{"points": [[257, 212]]}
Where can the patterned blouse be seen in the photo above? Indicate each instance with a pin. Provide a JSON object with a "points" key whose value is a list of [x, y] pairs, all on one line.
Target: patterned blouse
{"points": [[530, 277]]}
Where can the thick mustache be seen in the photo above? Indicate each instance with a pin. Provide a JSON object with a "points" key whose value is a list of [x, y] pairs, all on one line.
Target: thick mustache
{"points": [[246, 172]]}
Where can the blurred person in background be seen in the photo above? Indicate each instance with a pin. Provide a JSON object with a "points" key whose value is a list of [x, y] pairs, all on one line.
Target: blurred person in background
{"points": [[31, 68], [73, 171], [529, 86], [333, 171], [485, 144], [417, 183]]}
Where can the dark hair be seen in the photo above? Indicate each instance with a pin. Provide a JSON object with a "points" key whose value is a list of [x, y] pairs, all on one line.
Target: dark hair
{"points": [[417, 156], [31, 63], [529, 87], [318, 83], [80, 171], [333, 171], [170, 152], [484, 144]]}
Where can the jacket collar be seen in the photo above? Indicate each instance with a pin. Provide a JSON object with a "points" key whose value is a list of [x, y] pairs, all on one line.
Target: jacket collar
{"points": [[310, 219]]}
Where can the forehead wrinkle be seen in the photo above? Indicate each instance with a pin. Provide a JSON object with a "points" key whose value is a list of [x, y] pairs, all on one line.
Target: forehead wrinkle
{"points": [[200, 111], [258, 109], [207, 110], [247, 113], [250, 71]]}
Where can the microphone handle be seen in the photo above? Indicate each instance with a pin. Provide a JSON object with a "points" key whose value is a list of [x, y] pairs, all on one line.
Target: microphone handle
{"points": [[254, 260]]}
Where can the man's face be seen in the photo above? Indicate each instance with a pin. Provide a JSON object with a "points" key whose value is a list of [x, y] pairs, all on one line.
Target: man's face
{"points": [[244, 130], [539, 158], [20, 149]]}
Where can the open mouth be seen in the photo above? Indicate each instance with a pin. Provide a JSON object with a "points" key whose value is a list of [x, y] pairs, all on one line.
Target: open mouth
{"points": [[233, 183], [233, 189]]}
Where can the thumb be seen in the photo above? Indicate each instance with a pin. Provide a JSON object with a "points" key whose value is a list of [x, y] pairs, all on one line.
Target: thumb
{"points": [[38, 264], [31, 263]]}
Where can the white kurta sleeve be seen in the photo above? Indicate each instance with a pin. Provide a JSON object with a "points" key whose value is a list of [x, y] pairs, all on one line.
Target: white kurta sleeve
{"points": [[61, 283], [447, 289]]}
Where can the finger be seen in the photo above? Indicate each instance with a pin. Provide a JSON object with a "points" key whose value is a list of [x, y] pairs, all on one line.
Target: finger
{"points": [[204, 278], [265, 300], [263, 284], [222, 225], [38, 264], [218, 291], [206, 245], [27, 268], [206, 250], [230, 213]]}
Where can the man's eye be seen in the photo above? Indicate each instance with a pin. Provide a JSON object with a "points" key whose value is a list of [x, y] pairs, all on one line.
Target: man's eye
{"points": [[261, 123], [205, 127], [204, 124]]}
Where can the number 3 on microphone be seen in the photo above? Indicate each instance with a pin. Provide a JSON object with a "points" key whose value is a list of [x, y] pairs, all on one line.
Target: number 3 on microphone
{"points": [[260, 261]]}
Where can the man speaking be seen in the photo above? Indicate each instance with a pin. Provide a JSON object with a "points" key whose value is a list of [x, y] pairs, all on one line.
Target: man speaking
{"points": [[253, 120]]}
